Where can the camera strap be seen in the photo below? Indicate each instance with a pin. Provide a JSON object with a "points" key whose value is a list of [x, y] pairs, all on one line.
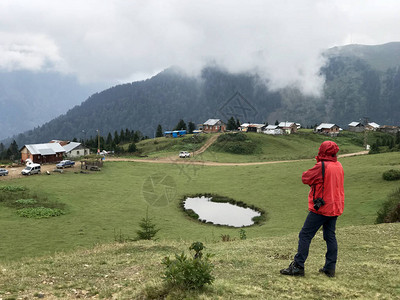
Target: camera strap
{"points": [[323, 180]]}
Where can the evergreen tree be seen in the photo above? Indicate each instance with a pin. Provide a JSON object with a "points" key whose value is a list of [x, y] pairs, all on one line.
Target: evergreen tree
{"points": [[181, 125], [128, 135], [132, 148], [13, 151], [191, 127], [116, 138], [148, 228], [231, 125], [109, 139], [159, 132], [237, 123], [398, 138], [276, 122], [122, 136]]}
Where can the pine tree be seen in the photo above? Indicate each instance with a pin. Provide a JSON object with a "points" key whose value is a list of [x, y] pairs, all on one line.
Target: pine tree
{"points": [[181, 125], [116, 138], [148, 228], [231, 125], [191, 127], [159, 132]]}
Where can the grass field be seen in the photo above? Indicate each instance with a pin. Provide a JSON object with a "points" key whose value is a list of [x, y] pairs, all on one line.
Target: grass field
{"points": [[101, 206], [368, 268]]}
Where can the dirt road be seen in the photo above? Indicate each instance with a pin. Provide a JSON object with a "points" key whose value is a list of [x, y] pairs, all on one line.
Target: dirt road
{"points": [[176, 160], [15, 172]]}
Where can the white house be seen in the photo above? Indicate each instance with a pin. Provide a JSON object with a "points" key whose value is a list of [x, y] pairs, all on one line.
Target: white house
{"points": [[272, 129], [74, 149], [252, 127]]}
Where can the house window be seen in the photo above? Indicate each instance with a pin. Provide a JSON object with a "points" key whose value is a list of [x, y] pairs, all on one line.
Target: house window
{"points": [[77, 152]]}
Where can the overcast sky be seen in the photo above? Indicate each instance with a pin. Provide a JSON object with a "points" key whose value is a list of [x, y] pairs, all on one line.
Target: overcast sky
{"points": [[112, 41]]}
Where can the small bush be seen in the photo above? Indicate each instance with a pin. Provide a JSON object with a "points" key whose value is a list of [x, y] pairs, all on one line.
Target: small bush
{"points": [[148, 229], [12, 188], [39, 212], [390, 211], [26, 201], [391, 175], [189, 273]]}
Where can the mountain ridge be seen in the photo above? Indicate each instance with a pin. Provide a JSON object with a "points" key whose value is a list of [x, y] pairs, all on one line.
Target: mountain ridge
{"points": [[355, 87]]}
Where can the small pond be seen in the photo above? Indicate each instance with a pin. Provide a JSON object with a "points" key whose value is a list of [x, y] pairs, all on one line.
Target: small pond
{"points": [[221, 213]]}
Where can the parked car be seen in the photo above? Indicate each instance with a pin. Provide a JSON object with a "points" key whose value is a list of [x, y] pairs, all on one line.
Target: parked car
{"points": [[3, 172], [65, 164], [31, 169], [184, 154]]}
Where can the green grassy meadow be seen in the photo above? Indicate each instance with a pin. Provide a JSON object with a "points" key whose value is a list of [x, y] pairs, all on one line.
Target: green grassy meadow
{"points": [[113, 200], [77, 250]]}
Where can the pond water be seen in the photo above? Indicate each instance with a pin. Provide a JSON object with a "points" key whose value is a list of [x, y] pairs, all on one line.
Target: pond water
{"points": [[221, 213]]}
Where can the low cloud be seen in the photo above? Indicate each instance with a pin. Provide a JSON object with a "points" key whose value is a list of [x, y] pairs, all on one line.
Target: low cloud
{"points": [[116, 41]]}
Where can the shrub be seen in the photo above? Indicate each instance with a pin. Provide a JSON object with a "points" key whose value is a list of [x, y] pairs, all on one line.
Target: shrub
{"points": [[148, 229], [12, 188], [390, 211], [391, 175], [39, 212], [189, 273], [26, 201], [236, 143]]}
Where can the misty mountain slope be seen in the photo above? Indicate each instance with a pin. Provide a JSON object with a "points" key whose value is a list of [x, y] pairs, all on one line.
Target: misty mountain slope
{"points": [[354, 89], [29, 99]]}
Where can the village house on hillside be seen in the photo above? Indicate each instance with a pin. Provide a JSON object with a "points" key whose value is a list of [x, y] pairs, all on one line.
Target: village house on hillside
{"points": [[389, 129], [359, 127], [252, 127], [328, 129], [288, 127], [272, 129], [74, 149], [212, 125], [42, 153], [356, 127]]}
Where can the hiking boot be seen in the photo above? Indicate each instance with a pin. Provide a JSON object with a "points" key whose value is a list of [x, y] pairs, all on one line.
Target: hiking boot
{"points": [[293, 270], [329, 273]]}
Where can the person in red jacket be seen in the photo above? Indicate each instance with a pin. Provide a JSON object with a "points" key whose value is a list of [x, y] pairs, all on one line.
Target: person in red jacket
{"points": [[325, 204]]}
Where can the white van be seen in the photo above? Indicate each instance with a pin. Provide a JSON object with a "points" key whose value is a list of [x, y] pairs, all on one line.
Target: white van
{"points": [[31, 169]]}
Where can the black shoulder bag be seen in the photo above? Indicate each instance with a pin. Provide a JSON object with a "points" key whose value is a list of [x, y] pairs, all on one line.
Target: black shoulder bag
{"points": [[320, 201]]}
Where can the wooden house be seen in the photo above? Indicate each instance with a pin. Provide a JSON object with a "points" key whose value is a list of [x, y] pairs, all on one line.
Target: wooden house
{"points": [[213, 125], [356, 127], [328, 129], [288, 127], [252, 127], [42, 153]]}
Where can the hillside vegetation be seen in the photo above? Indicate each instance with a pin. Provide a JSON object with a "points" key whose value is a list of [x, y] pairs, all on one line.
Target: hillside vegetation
{"points": [[368, 268]]}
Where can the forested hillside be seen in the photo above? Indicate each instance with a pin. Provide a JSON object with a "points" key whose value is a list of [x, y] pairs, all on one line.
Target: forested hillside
{"points": [[361, 81]]}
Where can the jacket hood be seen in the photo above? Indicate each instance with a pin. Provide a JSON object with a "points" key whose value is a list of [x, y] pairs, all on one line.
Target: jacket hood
{"points": [[328, 151]]}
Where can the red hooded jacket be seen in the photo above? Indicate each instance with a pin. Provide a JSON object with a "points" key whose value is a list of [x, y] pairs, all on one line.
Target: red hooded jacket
{"points": [[333, 191]]}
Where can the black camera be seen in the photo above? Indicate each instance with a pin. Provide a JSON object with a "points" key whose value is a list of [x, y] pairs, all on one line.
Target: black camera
{"points": [[318, 203]]}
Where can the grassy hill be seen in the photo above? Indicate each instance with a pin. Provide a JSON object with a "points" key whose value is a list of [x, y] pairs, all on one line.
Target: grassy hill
{"points": [[76, 254], [302, 145], [368, 268]]}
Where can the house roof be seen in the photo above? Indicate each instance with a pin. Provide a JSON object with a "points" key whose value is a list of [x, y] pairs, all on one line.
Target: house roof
{"points": [[326, 126], [211, 122], [71, 146], [252, 125], [355, 124], [373, 124], [287, 124], [45, 149], [271, 127]]}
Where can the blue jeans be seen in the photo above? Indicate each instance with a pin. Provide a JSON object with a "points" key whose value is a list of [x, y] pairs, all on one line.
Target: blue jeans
{"points": [[311, 225]]}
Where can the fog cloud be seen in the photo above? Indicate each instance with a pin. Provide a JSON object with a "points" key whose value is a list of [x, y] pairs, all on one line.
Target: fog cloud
{"points": [[117, 41]]}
